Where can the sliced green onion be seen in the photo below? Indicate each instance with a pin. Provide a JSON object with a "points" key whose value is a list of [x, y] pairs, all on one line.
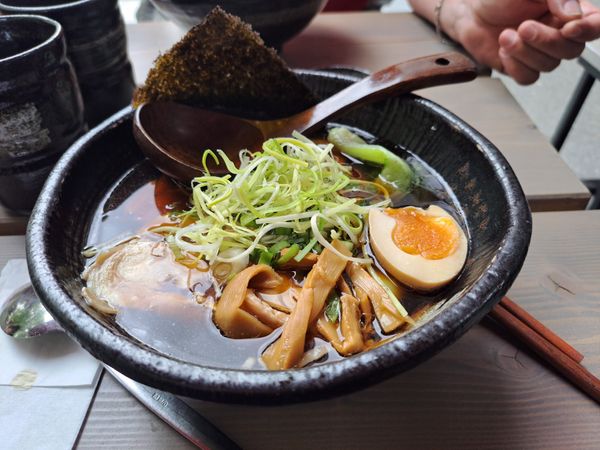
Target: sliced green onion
{"points": [[273, 196], [403, 312], [302, 253], [332, 309], [205, 156], [317, 233], [276, 248], [291, 252], [265, 257], [255, 255]]}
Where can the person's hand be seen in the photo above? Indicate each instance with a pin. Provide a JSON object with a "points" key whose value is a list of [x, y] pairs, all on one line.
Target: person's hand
{"points": [[521, 37]]}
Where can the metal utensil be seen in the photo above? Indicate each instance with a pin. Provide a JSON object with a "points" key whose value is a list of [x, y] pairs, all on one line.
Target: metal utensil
{"points": [[23, 317], [176, 413]]}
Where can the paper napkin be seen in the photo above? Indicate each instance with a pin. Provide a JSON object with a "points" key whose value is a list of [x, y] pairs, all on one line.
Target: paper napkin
{"points": [[46, 383], [51, 360]]}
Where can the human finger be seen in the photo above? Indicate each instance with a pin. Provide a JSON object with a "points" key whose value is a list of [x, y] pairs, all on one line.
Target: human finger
{"points": [[548, 40], [534, 59], [516, 69], [585, 29], [565, 9]]}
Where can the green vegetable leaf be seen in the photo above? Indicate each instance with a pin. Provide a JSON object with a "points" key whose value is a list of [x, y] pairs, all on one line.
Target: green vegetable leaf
{"points": [[289, 254], [395, 170], [266, 257], [276, 248], [305, 250], [289, 191], [332, 309]]}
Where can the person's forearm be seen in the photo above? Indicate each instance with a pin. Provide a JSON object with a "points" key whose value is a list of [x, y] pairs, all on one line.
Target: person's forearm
{"points": [[448, 14]]}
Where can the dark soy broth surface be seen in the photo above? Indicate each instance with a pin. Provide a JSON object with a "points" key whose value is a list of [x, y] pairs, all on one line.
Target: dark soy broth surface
{"points": [[185, 330]]}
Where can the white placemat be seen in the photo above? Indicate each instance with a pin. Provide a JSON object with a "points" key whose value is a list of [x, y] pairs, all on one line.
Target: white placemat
{"points": [[46, 383], [42, 418], [52, 360]]}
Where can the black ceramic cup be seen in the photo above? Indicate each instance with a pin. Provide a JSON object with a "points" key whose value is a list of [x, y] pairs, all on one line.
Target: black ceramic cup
{"points": [[41, 112], [96, 45]]}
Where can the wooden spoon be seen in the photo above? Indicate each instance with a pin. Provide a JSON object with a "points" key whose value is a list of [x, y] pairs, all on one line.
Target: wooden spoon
{"points": [[173, 136]]}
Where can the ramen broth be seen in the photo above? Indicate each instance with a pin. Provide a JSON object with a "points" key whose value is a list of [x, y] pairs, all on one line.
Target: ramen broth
{"points": [[184, 329]]}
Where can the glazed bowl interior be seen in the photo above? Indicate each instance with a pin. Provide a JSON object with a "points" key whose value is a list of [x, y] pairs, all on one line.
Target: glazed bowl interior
{"points": [[102, 169]]}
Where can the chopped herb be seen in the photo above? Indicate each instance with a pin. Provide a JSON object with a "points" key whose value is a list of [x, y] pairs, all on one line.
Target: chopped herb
{"points": [[305, 250], [332, 309], [300, 239], [255, 255], [248, 220], [266, 257], [274, 195], [289, 254], [276, 248]]}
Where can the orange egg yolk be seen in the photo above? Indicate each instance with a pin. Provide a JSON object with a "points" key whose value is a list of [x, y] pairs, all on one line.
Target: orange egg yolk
{"points": [[416, 233]]}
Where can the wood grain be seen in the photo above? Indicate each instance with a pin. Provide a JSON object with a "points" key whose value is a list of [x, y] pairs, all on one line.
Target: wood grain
{"points": [[559, 282], [488, 106], [119, 421], [11, 223], [363, 40], [11, 247], [372, 41], [483, 392], [591, 54]]}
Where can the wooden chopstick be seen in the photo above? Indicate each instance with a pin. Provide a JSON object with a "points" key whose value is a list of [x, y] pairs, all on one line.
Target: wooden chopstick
{"points": [[541, 329], [574, 372]]}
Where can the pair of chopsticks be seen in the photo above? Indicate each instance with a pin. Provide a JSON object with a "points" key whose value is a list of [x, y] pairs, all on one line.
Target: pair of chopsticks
{"points": [[547, 345]]}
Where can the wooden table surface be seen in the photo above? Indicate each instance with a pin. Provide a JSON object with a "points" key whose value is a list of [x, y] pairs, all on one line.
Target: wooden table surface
{"points": [[484, 391], [371, 41], [592, 53]]}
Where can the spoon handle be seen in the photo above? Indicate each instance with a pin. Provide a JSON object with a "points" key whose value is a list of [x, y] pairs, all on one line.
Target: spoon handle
{"points": [[419, 73]]}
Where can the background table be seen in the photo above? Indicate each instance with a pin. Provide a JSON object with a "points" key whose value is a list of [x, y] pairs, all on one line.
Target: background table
{"points": [[482, 392], [485, 391], [371, 41]]}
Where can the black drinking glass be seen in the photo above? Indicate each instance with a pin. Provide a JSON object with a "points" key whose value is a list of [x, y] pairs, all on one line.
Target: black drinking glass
{"points": [[41, 111], [96, 45]]}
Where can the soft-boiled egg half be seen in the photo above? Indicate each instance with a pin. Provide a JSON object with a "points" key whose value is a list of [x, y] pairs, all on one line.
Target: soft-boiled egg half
{"points": [[422, 248]]}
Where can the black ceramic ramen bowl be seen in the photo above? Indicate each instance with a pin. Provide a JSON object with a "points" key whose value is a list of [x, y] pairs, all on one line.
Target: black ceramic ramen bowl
{"points": [[481, 187]]}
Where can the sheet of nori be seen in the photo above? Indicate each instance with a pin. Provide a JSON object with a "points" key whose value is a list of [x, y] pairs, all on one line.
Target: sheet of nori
{"points": [[223, 63]]}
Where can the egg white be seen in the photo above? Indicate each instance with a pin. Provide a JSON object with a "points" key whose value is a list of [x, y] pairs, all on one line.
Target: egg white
{"points": [[414, 270]]}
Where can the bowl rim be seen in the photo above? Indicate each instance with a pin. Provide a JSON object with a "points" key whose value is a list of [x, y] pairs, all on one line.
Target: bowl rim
{"points": [[289, 386]]}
